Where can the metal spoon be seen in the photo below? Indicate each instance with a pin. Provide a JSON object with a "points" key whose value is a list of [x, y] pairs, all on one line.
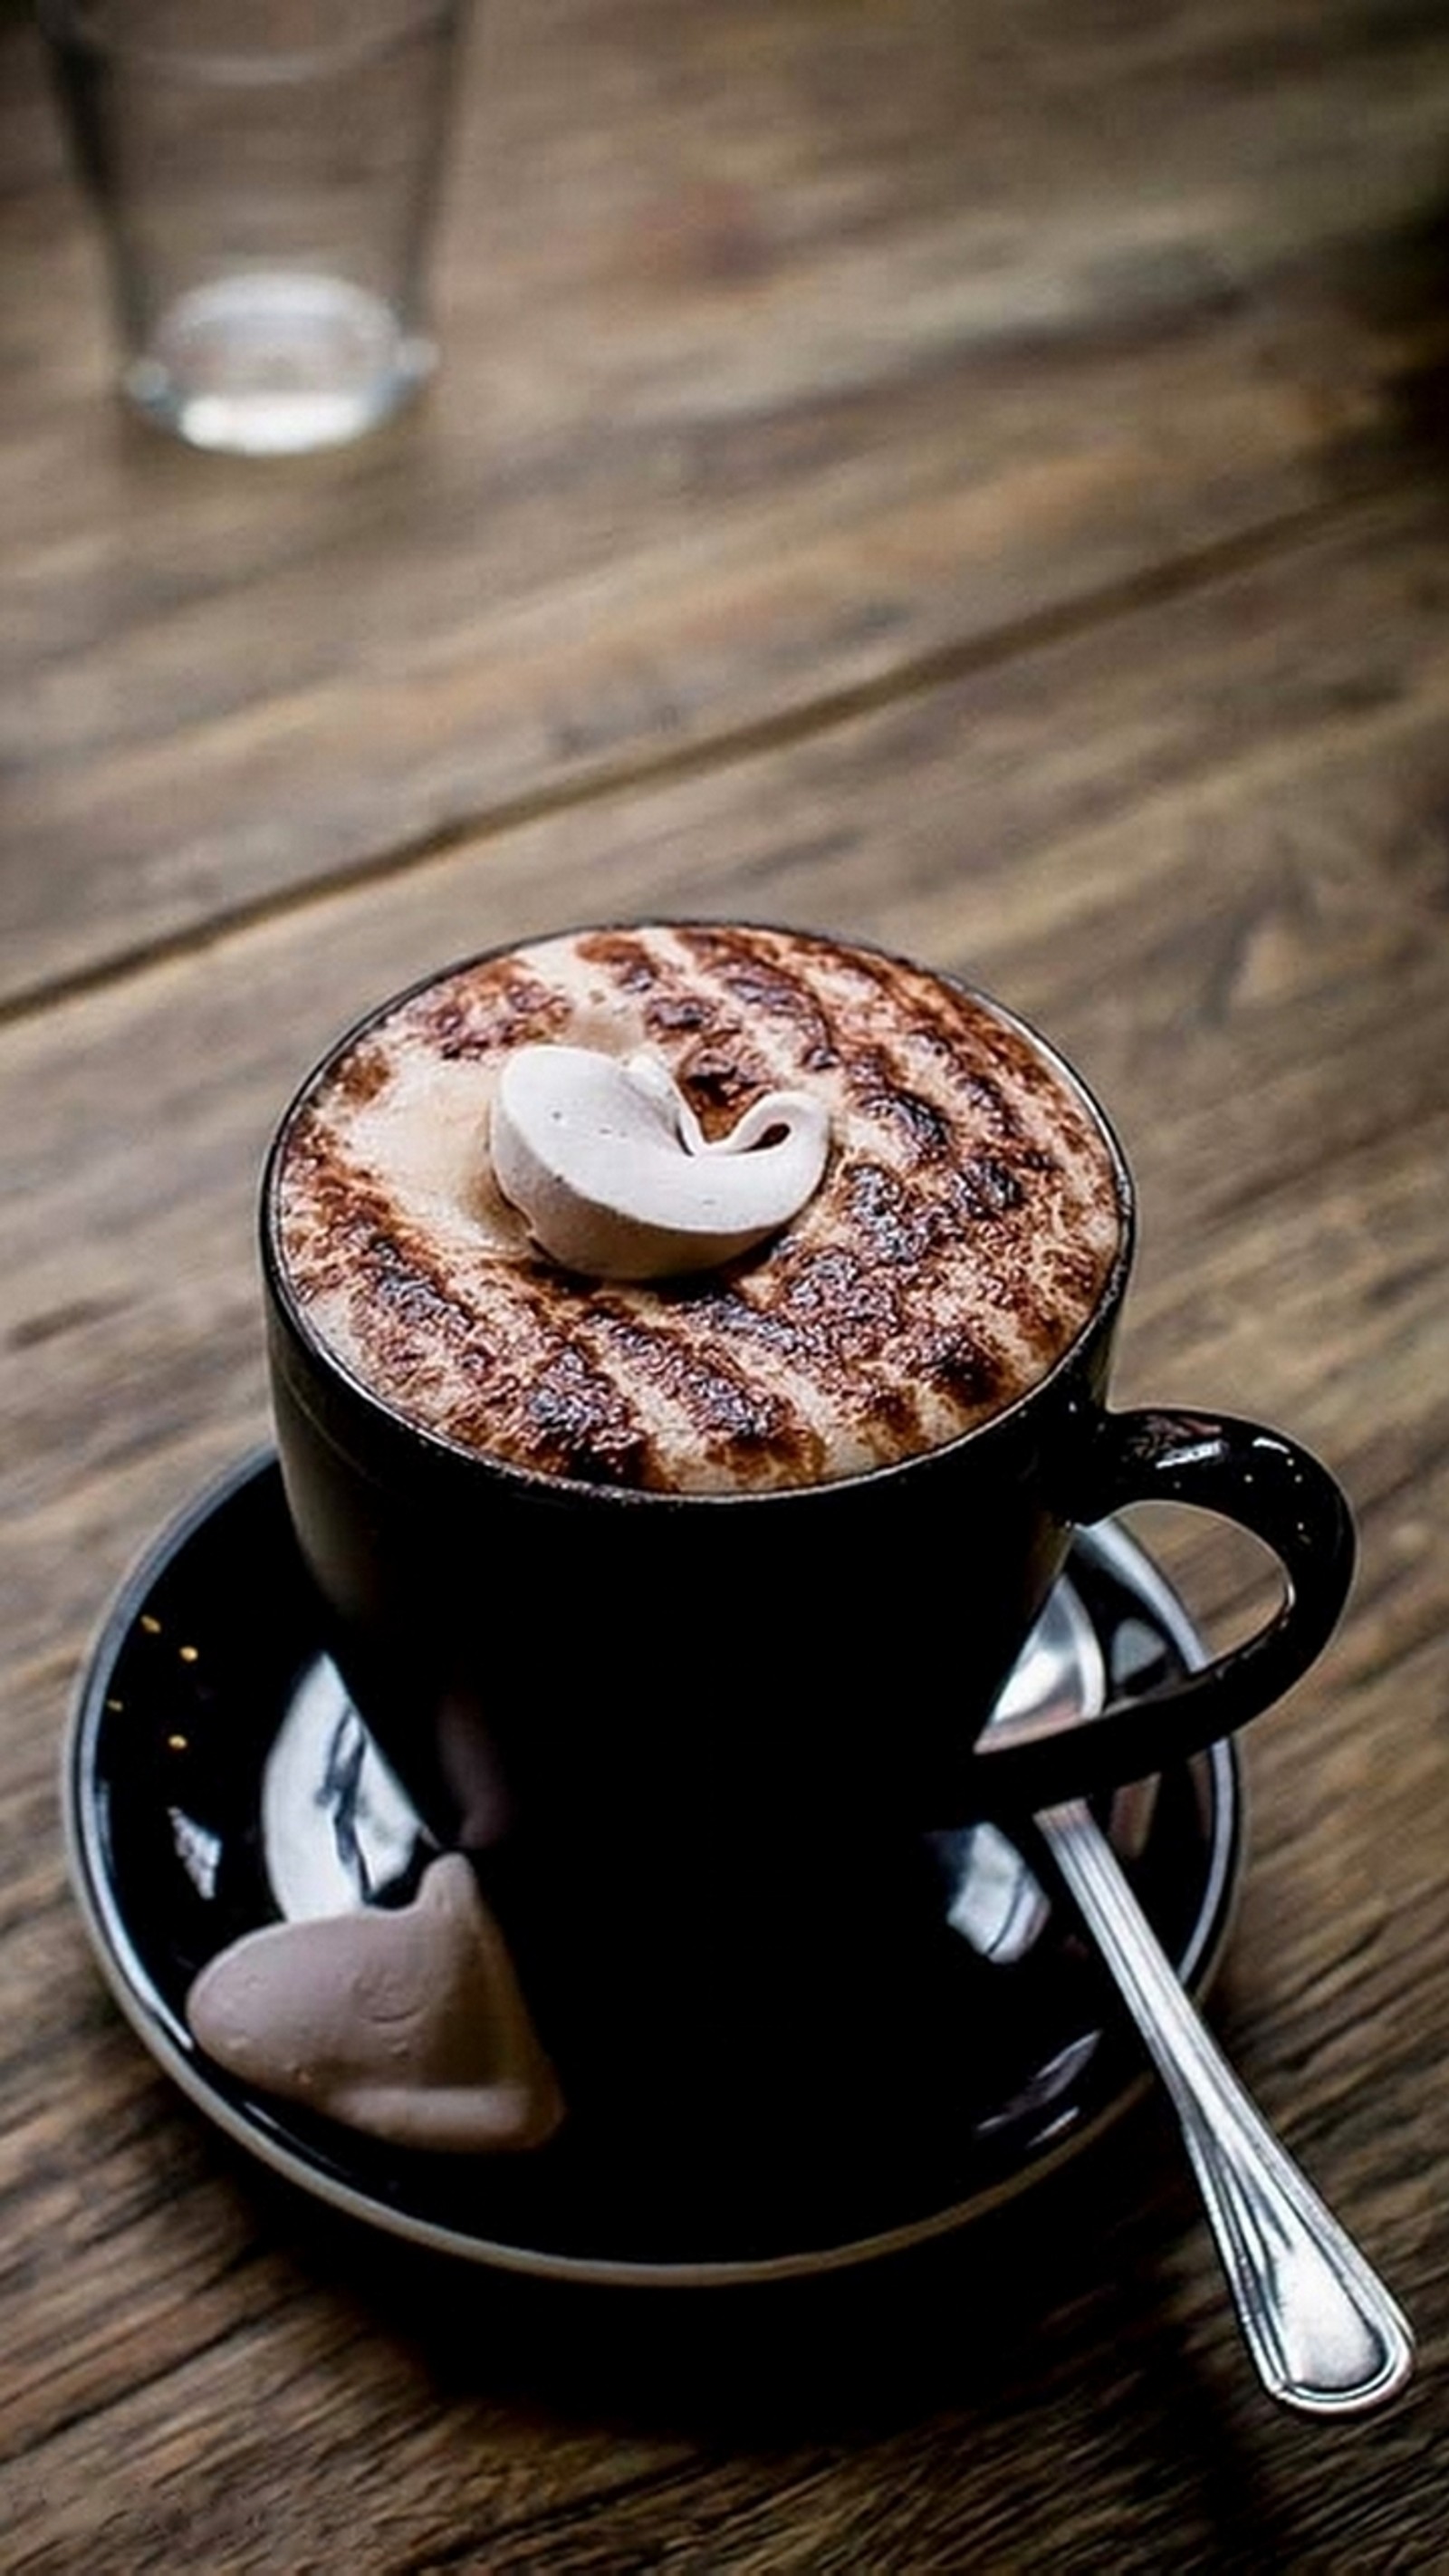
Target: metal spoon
{"points": [[1326, 2336]]}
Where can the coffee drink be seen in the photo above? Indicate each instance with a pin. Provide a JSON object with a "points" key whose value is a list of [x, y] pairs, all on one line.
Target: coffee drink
{"points": [[968, 1217], [691, 1349]]}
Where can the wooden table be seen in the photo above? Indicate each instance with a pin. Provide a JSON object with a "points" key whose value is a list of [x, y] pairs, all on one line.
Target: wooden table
{"points": [[973, 478]]}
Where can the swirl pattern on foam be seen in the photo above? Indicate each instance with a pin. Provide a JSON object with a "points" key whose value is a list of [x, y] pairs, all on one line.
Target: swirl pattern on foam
{"points": [[957, 1245]]}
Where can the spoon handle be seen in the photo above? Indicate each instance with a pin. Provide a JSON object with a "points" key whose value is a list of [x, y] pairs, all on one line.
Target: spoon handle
{"points": [[1325, 2334]]}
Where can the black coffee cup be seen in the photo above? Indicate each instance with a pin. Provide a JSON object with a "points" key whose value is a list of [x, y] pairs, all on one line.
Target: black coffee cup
{"points": [[665, 1725]]}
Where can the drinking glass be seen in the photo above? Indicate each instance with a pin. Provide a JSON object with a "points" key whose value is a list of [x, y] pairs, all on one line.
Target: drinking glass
{"points": [[266, 175]]}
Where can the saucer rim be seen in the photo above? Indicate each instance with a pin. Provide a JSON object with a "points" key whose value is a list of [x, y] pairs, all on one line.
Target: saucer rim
{"points": [[1109, 1541]]}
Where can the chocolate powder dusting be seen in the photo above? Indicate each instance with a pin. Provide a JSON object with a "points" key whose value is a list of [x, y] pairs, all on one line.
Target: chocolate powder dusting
{"points": [[470, 1020], [574, 1422], [958, 1242]]}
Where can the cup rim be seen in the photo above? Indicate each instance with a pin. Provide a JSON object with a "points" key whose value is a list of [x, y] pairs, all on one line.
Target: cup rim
{"points": [[537, 1481], [78, 27]]}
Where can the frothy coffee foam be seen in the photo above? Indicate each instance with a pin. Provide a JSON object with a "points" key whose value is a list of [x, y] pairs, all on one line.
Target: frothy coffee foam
{"points": [[956, 1246]]}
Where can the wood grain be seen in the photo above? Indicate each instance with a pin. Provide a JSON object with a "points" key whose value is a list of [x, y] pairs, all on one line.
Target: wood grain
{"points": [[812, 352], [1269, 1029], [969, 480]]}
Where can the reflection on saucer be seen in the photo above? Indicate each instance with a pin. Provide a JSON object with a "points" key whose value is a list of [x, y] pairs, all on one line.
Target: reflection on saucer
{"points": [[337, 1830]]}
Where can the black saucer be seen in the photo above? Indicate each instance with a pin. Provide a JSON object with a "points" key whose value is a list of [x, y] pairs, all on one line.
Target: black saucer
{"points": [[217, 1778]]}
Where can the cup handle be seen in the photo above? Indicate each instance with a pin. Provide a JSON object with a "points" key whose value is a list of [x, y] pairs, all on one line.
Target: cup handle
{"points": [[1247, 1474]]}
